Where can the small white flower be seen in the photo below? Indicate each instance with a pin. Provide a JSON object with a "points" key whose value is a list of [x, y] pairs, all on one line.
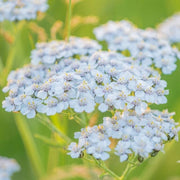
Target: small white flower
{"points": [[75, 150], [136, 103], [84, 103], [142, 146], [52, 106], [123, 149], [30, 106]]}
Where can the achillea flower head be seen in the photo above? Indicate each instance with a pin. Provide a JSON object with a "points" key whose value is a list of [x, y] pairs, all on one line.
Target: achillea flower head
{"points": [[105, 78], [148, 47], [7, 168], [51, 52], [170, 28], [144, 135], [18, 10], [94, 140]]}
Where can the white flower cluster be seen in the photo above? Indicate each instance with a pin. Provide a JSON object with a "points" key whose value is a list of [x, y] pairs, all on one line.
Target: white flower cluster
{"points": [[144, 135], [79, 75], [105, 78], [92, 139], [49, 53], [148, 47], [7, 168], [171, 28], [17, 10]]}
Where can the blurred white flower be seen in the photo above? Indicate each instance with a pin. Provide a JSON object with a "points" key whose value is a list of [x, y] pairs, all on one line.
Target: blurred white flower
{"points": [[170, 28], [18, 10], [7, 168], [148, 47]]}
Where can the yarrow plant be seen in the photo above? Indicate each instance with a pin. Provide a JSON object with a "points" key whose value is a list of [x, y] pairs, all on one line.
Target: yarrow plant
{"points": [[148, 47], [105, 78], [78, 77], [17, 10], [171, 24], [7, 168], [144, 135], [54, 51]]}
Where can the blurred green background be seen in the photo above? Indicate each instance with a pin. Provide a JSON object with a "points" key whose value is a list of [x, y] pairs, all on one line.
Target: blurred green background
{"points": [[144, 13]]}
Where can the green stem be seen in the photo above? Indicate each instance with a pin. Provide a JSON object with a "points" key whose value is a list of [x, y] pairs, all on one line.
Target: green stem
{"points": [[130, 166], [45, 121], [53, 156], [60, 121], [69, 21], [29, 144], [10, 59], [9, 64], [80, 121], [85, 118], [50, 142], [106, 169], [31, 40], [126, 171], [1, 65], [102, 165]]}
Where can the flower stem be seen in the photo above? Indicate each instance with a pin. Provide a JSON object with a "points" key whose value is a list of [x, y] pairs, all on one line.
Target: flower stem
{"points": [[125, 172], [80, 121], [106, 169], [60, 121], [10, 60], [69, 21], [45, 121], [50, 142], [101, 164], [29, 144], [128, 169]]}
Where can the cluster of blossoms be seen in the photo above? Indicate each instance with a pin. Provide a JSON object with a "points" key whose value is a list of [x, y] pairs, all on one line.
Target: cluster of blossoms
{"points": [[105, 78], [7, 168], [51, 52], [148, 47], [143, 135], [17, 10], [171, 28], [79, 75]]}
